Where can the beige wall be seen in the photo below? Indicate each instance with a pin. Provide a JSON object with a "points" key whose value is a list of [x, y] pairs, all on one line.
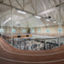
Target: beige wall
{"points": [[53, 30]]}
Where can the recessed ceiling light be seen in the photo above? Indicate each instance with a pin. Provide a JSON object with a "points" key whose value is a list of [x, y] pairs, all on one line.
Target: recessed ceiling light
{"points": [[38, 17], [22, 12]]}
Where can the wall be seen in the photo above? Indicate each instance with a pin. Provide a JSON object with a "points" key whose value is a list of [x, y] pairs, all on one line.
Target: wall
{"points": [[52, 30]]}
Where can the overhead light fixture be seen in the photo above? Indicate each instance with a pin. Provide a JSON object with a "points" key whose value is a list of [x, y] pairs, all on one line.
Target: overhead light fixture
{"points": [[22, 12], [7, 20], [54, 22], [47, 11], [47, 19], [38, 17]]}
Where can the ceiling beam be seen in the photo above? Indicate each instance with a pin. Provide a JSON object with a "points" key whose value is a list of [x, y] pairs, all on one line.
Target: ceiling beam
{"points": [[29, 11], [27, 3], [19, 4], [16, 8], [60, 4], [51, 9]]}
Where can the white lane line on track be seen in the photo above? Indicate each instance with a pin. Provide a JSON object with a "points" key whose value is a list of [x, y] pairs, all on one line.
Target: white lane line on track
{"points": [[30, 54], [43, 62]]}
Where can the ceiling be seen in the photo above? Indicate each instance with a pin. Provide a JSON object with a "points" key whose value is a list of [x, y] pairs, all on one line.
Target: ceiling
{"points": [[53, 10]]}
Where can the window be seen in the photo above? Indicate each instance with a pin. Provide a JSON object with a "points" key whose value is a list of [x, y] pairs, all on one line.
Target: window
{"points": [[13, 30], [47, 30], [39, 30], [32, 30], [24, 31], [59, 29], [1, 30]]}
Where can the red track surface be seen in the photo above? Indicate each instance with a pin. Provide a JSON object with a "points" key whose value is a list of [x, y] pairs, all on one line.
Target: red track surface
{"points": [[11, 55]]}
